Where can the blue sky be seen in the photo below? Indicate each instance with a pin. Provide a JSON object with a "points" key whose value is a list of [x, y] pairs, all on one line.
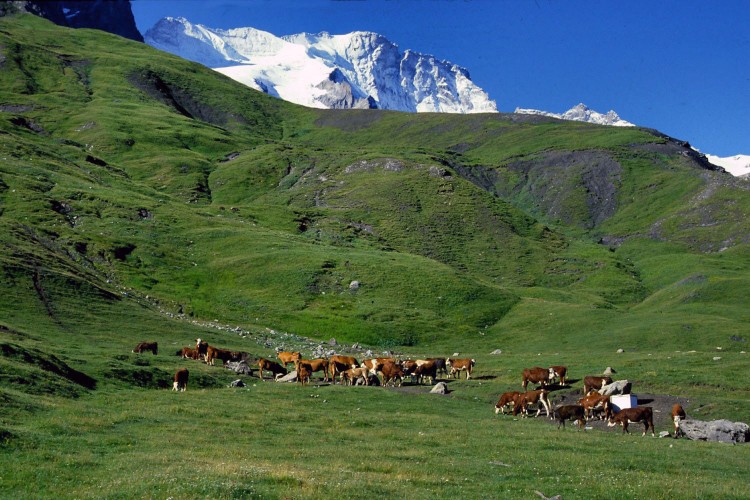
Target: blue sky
{"points": [[682, 67]]}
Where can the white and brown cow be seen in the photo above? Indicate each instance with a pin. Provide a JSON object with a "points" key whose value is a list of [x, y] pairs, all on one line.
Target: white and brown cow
{"points": [[340, 363], [180, 380], [506, 399], [350, 376], [536, 375], [594, 383], [596, 403], [570, 412], [538, 397], [456, 366], [678, 415], [392, 371], [643, 414], [558, 372]]}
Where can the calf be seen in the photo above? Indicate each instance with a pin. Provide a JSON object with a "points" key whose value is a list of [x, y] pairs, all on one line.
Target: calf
{"points": [[314, 365], [678, 415], [507, 398], [180, 380], [570, 412], [537, 375], [558, 372], [538, 397], [287, 357], [459, 365], [146, 346], [596, 402], [391, 371], [349, 376], [594, 382], [626, 416], [270, 366], [303, 373]]}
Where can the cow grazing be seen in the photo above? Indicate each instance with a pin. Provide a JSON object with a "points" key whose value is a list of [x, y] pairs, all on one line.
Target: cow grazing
{"points": [[270, 366], [538, 397], [202, 347], [391, 371], [314, 365], [678, 415], [507, 398], [627, 416], [180, 380], [147, 346], [223, 354], [594, 382], [187, 353], [428, 369], [536, 375], [287, 357], [570, 412], [558, 372], [348, 377], [595, 402], [339, 363], [458, 365]]}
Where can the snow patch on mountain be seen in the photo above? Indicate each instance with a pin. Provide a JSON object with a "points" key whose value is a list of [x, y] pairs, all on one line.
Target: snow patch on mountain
{"points": [[737, 165], [358, 69], [582, 113]]}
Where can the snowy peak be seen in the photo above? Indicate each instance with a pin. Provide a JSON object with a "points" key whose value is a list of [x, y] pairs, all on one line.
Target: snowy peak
{"points": [[358, 69], [582, 113], [737, 165]]}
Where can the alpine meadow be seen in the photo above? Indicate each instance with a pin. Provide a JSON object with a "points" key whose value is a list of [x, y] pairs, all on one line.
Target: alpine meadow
{"points": [[147, 198]]}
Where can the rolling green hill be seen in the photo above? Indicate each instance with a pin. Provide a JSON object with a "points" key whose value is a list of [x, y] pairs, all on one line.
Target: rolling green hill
{"points": [[146, 197]]}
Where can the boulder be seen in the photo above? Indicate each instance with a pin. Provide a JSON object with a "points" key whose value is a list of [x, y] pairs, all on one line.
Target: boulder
{"points": [[608, 371], [354, 285], [239, 367], [620, 351], [289, 377], [664, 434], [616, 387], [440, 388], [723, 431], [497, 351], [237, 383]]}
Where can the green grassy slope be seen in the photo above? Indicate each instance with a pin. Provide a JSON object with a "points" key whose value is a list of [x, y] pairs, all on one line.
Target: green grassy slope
{"points": [[143, 196]]}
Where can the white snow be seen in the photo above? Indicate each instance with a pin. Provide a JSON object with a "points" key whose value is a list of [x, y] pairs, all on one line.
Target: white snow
{"points": [[737, 165], [582, 113]]}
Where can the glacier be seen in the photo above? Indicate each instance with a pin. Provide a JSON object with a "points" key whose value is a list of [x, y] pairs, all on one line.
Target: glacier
{"points": [[582, 113]]}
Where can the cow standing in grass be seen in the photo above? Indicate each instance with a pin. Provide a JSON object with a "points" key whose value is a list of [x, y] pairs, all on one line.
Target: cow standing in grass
{"points": [[147, 346], [180, 380]]}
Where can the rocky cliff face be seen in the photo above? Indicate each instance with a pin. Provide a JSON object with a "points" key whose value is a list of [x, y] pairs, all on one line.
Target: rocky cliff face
{"points": [[114, 16], [355, 70]]}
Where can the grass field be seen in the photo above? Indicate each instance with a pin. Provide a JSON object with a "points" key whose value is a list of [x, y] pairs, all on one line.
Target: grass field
{"points": [[143, 197]]}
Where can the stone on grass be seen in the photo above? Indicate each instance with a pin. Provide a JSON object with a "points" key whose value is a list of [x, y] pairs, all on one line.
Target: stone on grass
{"points": [[237, 383], [497, 351], [440, 388], [609, 371], [723, 431], [289, 377], [239, 367], [616, 387]]}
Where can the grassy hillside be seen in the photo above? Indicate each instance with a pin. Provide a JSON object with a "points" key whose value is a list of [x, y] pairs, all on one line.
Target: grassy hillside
{"points": [[143, 197]]}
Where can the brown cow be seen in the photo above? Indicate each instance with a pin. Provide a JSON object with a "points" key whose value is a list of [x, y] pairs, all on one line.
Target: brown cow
{"points": [[596, 402], [569, 412], [507, 398], [314, 365], [559, 372], [202, 347], [391, 371], [459, 365], [187, 353], [626, 416], [428, 369], [349, 376], [441, 365], [538, 397], [146, 346], [375, 364], [287, 357], [180, 380], [594, 382], [537, 375], [223, 354], [303, 373], [339, 363], [270, 366], [678, 415]]}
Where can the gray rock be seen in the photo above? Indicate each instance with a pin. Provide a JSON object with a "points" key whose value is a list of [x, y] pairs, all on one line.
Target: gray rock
{"points": [[620, 351], [664, 434], [332, 342], [237, 383], [354, 285], [609, 371], [239, 367], [440, 388], [616, 387], [716, 430], [497, 351], [289, 377]]}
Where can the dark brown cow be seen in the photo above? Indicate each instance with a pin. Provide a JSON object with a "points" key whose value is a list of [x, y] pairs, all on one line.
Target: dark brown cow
{"points": [[458, 365], [270, 366], [594, 382], [538, 397], [180, 380], [202, 347], [536, 375], [339, 363], [223, 354], [146, 346], [570, 412], [441, 365], [187, 353], [428, 369], [391, 371], [559, 372], [626, 416], [678, 415], [507, 398], [596, 402], [287, 357], [314, 365]]}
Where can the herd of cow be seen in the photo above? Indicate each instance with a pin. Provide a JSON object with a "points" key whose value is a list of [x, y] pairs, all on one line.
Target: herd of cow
{"points": [[350, 372]]}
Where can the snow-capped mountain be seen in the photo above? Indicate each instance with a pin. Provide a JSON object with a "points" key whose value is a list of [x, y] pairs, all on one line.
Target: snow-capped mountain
{"points": [[582, 113], [737, 165], [359, 69]]}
